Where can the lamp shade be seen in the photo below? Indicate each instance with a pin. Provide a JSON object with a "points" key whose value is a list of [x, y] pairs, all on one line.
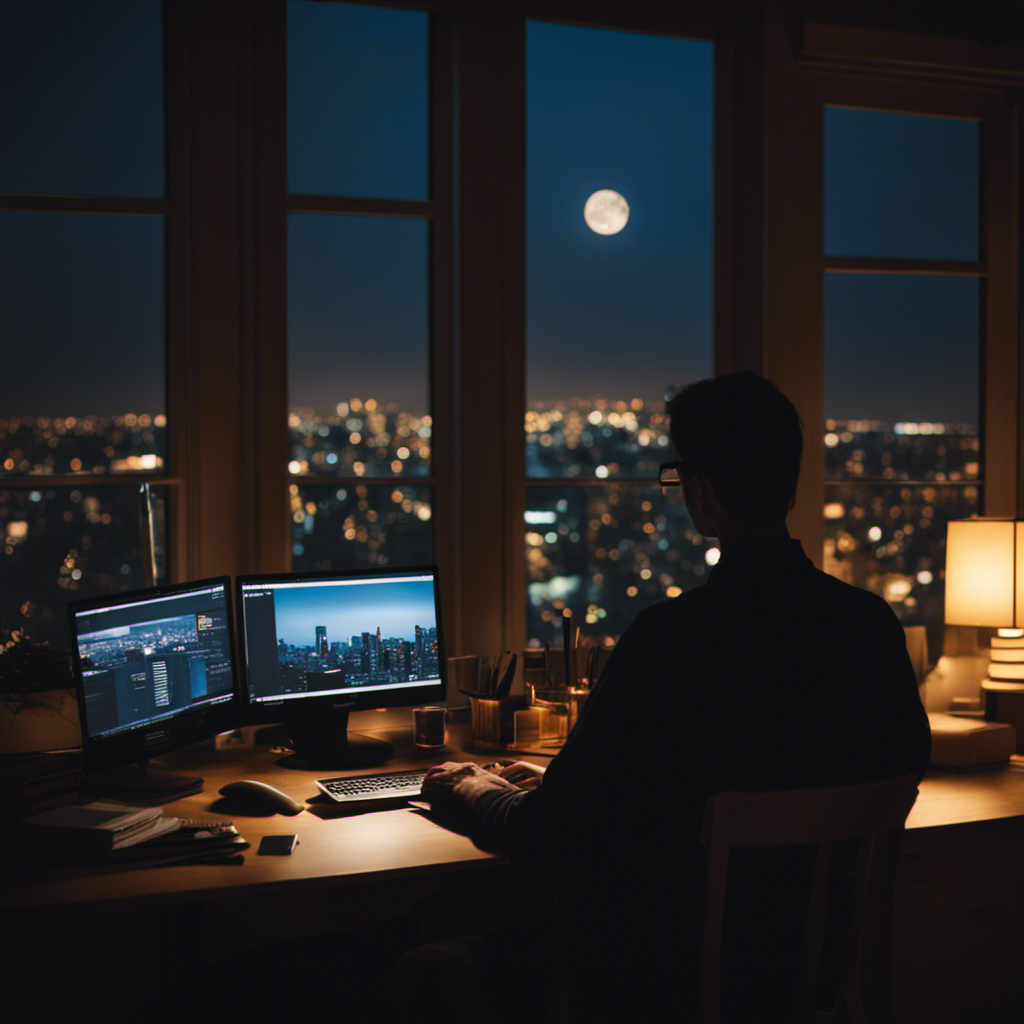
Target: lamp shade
{"points": [[985, 572]]}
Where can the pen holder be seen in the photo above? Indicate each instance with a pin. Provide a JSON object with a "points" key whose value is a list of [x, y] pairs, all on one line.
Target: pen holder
{"points": [[493, 719], [556, 713], [470, 673]]}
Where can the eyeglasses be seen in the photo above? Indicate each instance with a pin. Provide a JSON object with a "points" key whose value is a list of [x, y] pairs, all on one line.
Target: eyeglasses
{"points": [[668, 474]]}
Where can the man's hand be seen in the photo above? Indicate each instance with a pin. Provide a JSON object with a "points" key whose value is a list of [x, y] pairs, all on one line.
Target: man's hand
{"points": [[457, 785], [445, 776], [521, 773]]}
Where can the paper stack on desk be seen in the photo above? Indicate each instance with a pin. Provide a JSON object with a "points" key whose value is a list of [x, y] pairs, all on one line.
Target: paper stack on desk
{"points": [[98, 827], [193, 843], [115, 833]]}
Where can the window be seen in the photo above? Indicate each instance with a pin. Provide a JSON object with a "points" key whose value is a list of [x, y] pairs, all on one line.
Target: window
{"points": [[359, 283], [903, 309], [82, 303], [618, 313], [269, 280]]}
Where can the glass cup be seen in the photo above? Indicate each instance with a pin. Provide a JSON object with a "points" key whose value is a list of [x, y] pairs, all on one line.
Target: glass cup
{"points": [[428, 726]]}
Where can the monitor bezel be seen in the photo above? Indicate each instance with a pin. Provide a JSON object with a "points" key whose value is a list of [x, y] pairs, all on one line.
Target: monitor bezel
{"points": [[314, 707], [149, 740]]}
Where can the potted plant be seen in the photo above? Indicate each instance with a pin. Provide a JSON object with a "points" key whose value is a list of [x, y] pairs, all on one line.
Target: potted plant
{"points": [[38, 709]]}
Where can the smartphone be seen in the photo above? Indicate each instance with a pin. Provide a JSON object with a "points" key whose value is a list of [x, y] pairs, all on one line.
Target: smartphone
{"points": [[279, 845]]}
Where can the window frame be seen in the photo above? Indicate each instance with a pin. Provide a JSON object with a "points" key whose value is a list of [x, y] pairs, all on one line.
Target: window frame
{"points": [[266, 207], [171, 209], [621, 481], [997, 357], [943, 77], [492, 76], [437, 211]]}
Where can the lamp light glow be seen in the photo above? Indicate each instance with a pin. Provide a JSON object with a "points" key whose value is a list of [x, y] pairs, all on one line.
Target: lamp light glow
{"points": [[985, 572], [985, 587]]}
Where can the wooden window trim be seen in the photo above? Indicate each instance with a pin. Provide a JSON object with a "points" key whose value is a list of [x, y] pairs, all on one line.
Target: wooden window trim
{"points": [[917, 57]]}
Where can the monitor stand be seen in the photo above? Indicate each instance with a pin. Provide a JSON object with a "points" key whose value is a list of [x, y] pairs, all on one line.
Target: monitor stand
{"points": [[141, 782], [329, 744]]}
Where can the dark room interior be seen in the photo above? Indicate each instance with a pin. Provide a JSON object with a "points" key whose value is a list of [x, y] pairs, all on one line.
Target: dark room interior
{"points": [[282, 282]]}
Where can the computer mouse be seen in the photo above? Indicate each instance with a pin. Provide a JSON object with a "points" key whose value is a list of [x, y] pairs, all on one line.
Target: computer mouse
{"points": [[260, 796]]}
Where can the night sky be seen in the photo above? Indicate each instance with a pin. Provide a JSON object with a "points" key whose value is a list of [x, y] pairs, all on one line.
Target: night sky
{"points": [[901, 347], [81, 295], [633, 113], [620, 316], [397, 608]]}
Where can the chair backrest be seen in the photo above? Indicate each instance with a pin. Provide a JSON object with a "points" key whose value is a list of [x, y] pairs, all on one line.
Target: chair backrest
{"points": [[871, 814]]}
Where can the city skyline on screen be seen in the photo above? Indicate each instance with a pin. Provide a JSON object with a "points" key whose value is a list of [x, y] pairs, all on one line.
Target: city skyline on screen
{"points": [[347, 611]]}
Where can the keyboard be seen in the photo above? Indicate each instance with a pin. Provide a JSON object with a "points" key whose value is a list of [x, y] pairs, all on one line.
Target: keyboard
{"points": [[349, 789]]}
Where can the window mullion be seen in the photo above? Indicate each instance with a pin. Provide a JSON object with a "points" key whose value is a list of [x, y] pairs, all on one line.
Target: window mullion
{"points": [[491, 349], [1001, 376], [265, 314]]}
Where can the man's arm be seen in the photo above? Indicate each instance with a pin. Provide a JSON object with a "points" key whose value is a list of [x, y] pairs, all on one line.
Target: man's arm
{"points": [[582, 785]]}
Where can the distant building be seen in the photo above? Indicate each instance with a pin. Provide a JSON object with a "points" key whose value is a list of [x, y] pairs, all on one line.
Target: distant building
{"points": [[370, 652]]}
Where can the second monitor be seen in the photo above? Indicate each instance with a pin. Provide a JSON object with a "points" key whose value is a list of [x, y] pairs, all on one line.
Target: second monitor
{"points": [[316, 646]]}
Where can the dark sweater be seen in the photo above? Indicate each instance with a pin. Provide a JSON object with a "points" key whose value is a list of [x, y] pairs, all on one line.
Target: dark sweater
{"points": [[772, 675]]}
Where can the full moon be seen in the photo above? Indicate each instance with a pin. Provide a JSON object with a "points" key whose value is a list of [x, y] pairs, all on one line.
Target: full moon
{"points": [[606, 212]]}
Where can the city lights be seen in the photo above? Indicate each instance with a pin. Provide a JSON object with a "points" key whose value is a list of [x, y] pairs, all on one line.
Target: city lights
{"points": [[607, 549], [48, 446], [885, 532]]}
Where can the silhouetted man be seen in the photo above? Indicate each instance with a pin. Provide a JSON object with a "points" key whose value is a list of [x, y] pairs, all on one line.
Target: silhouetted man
{"points": [[771, 675]]}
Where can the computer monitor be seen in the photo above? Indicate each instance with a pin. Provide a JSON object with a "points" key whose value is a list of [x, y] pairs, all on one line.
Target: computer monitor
{"points": [[154, 671], [316, 646]]}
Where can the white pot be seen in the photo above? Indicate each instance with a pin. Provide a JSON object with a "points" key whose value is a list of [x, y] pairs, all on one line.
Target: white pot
{"points": [[34, 722]]}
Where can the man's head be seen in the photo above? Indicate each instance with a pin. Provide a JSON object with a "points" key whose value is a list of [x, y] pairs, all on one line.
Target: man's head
{"points": [[744, 438]]}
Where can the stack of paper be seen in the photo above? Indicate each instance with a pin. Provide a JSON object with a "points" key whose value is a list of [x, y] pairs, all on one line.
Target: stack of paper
{"points": [[100, 826], [194, 842]]}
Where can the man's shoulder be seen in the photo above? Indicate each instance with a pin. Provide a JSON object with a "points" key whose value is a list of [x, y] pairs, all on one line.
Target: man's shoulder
{"points": [[856, 599], [676, 612], [812, 589]]}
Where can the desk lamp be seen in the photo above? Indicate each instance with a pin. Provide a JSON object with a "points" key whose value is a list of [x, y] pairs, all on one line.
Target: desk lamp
{"points": [[985, 587]]}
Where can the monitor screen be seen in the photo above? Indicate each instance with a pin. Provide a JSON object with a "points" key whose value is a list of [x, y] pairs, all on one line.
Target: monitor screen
{"points": [[154, 669], [341, 640]]}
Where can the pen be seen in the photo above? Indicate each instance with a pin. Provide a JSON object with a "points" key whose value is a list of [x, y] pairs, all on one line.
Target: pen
{"points": [[567, 644], [575, 658], [506, 680]]}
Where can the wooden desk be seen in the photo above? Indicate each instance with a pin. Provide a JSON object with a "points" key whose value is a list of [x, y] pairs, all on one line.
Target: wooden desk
{"points": [[959, 798], [336, 846], [957, 946], [350, 870]]}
